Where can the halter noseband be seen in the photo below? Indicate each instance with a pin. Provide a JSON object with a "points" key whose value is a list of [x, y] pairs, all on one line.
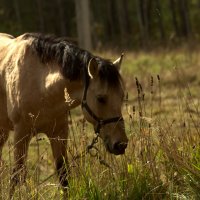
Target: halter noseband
{"points": [[100, 122]]}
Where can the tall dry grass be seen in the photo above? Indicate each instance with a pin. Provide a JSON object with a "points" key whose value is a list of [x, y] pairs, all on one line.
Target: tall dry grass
{"points": [[162, 160]]}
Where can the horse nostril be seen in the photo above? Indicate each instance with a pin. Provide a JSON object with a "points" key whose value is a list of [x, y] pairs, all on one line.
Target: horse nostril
{"points": [[120, 146]]}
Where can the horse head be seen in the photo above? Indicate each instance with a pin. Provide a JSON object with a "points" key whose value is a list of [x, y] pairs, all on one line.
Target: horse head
{"points": [[102, 103]]}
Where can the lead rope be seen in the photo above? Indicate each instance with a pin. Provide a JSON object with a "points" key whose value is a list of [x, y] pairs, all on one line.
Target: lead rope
{"points": [[89, 148]]}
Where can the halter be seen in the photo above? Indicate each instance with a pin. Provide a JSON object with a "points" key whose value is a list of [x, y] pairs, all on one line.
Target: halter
{"points": [[100, 122]]}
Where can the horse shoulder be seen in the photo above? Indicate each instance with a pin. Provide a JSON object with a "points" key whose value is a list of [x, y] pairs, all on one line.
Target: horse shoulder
{"points": [[20, 78]]}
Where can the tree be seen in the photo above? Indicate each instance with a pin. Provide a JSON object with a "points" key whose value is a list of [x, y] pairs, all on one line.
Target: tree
{"points": [[174, 17], [184, 17], [61, 17], [144, 15], [160, 19], [83, 24], [112, 29], [18, 14], [123, 18], [40, 16]]}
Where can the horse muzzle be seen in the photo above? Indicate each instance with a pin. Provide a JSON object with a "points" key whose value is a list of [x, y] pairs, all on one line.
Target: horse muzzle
{"points": [[117, 148]]}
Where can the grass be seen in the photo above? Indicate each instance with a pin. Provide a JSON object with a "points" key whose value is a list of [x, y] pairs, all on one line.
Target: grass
{"points": [[162, 160]]}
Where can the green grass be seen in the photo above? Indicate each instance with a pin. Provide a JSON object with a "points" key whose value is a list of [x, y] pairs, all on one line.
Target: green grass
{"points": [[162, 160]]}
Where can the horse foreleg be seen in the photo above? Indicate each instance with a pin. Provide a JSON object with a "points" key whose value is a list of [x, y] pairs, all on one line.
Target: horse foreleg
{"points": [[21, 143], [3, 138], [59, 144]]}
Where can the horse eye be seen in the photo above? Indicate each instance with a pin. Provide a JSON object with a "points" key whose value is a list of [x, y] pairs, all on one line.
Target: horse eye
{"points": [[101, 99]]}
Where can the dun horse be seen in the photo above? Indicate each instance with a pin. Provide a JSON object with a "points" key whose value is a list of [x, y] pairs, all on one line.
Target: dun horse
{"points": [[43, 77]]}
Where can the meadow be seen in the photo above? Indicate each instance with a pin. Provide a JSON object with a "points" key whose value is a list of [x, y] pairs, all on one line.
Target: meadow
{"points": [[162, 117]]}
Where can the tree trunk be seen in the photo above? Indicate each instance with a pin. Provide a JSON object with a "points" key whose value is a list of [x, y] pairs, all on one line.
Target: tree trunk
{"points": [[143, 18], [127, 17], [18, 14], [174, 17], [160, 20], [123, 18], [185, 19], [111, 18], [40, 16], [83, 24], [61, 17]]}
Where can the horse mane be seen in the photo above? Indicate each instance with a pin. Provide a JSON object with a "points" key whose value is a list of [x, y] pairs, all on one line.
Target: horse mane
{"points": [[70, 57]]}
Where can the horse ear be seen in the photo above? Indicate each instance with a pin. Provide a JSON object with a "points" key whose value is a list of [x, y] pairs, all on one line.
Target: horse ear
{"points": [[118, 62], [93, 68]]}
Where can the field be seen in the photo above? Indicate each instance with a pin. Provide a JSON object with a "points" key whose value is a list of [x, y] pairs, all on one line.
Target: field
{"points": [[162, 161]]}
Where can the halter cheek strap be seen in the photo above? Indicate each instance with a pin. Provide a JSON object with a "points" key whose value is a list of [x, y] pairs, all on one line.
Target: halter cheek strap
{"points": [[100, 122]]}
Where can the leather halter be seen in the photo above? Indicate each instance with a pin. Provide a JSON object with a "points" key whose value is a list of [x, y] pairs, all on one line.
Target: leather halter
{"points": [[100, 122]]}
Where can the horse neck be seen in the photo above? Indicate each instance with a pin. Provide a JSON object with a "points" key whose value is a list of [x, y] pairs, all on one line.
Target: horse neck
{"points": [[74, 93], [55, 82]]}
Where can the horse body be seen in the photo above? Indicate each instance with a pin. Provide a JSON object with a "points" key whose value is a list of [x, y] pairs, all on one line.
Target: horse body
{"points": [[37, 89], [6, 63], [31, 99], [28, 87]]}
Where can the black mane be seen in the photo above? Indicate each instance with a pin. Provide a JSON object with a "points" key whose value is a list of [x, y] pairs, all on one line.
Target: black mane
{"points": [[71, 58]]}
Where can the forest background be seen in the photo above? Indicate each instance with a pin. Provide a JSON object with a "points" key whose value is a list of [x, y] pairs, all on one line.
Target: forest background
{"points": [[106, 23]]}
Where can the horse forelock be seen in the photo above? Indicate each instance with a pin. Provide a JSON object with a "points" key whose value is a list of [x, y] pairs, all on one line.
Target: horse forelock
{"points": [[109, 73], [71, 58]]}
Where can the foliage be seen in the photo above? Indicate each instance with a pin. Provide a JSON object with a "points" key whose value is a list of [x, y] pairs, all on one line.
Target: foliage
{"points": [[139, 23]]}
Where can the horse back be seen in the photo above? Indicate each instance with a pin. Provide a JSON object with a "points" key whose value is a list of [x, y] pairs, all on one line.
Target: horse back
{"points": [[5, 35]]}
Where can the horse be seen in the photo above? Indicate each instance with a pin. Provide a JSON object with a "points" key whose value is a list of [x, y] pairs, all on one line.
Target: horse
{"points": [[44, 76]]}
